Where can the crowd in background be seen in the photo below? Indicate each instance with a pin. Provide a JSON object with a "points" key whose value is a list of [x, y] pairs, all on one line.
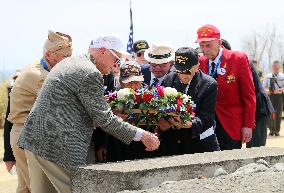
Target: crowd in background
{"points": [[57, 116]]}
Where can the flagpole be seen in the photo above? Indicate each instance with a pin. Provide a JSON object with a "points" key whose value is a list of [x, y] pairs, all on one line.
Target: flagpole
{"points": [[130, 38]]}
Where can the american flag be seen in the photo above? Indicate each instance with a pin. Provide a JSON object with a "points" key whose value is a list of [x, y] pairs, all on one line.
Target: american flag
{"points": [[130, 39]]}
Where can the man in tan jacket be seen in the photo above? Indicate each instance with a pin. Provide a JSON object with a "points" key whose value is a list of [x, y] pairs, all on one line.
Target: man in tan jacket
{"points": [[24, 93]]}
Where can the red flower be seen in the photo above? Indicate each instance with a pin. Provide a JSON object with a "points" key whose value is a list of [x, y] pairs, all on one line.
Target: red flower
{"points": [[147, 97], [179, 103], [160, 91], [189, 108], [137, 98]]}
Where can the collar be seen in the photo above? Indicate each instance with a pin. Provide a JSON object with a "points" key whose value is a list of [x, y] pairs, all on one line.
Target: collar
{"points": [[45, 64], [160, 79], [217, 59]]}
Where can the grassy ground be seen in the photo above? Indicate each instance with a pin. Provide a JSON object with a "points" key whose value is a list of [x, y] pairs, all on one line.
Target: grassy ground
{"points": [[8, 183]]}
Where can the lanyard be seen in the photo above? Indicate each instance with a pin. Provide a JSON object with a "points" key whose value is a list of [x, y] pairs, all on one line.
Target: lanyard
{"points": [[216, 67], [44, 64]]}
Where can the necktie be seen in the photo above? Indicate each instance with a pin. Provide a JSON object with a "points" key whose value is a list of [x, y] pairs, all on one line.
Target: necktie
{"points": [[212, 70], [155, 82], [183, 88]]}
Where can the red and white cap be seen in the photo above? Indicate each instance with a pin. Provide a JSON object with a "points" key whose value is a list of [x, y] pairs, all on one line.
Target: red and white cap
{"points": [[207, 33]]}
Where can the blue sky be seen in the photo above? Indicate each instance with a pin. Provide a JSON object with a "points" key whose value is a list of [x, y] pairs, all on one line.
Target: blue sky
{"points": [[24, 24]]}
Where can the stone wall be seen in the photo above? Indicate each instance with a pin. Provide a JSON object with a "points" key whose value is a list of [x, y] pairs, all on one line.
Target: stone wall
{"points": [[149, 173]]}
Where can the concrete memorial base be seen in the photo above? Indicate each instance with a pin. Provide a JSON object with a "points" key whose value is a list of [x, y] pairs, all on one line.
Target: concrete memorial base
{"points": [[149, 173]]}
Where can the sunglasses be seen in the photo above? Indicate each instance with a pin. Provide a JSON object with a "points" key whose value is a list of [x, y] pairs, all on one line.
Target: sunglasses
{"points": [[140, 54], [119, 60]]}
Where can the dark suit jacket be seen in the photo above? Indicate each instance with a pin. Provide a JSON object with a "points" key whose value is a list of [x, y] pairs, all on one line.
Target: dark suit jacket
{"points": [[145, 69], [264, 106], [203, 90]]}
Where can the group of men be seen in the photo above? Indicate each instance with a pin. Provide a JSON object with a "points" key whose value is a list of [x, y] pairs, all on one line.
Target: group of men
{"points": [[57, 102]]}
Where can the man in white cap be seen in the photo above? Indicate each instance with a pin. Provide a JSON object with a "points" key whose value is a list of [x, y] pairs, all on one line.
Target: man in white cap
{"points": [[160, 57], [24, 93], [58, 131]]}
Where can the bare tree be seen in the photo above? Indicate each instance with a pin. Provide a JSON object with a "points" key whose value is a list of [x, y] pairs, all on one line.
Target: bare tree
{"points": [[264, 47]]}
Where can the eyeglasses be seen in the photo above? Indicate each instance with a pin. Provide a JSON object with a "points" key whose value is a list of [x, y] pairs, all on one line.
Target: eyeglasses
{"points": [[140, 54], [164, 65], [119, 60]]}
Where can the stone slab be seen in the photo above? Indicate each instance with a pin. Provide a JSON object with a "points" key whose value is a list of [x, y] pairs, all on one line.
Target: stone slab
{"points": [[264, 182], [148, 173]]}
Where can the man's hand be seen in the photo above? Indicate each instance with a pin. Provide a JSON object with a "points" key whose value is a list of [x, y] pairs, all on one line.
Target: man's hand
{"points": [[101, 154], [150, 141], [246, 134], [9, 165], [164, 125]]}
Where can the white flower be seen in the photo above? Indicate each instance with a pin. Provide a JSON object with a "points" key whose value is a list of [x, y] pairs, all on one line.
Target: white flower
{"points": [[168, 91], [185, 98], [122, 94]]}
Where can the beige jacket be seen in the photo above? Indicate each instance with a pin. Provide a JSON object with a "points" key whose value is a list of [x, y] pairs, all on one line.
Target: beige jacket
{"points": [[25, 91]]}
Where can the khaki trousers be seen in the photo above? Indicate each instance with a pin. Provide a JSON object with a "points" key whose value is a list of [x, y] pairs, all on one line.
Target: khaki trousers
{"points": [[46, 176], [21, 160]]}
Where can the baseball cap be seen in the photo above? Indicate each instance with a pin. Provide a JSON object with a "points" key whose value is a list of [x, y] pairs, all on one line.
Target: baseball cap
{"points": [[130, 71], [140, 46], [185, 59], [207, 33], [111, 42]]}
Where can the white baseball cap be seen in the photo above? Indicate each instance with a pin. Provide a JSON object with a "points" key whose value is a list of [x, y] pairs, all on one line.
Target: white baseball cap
{"points": [[112, 42]]}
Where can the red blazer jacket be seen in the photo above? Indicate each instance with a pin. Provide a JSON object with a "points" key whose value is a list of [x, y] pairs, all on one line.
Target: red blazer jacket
{"points": [[236, 102]]}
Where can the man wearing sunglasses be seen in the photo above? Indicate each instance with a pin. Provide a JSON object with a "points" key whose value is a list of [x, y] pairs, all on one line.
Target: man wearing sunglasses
{"points": [[139, 48], [196, 136], [58, 130]]}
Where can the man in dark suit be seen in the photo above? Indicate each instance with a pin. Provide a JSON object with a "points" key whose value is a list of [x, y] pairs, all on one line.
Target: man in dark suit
{"points": [[236, 101], [198, 135], [160, 57], [264, 109]]}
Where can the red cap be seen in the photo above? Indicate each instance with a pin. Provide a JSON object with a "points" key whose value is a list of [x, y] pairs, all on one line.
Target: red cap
{"points": [[207, 33]]}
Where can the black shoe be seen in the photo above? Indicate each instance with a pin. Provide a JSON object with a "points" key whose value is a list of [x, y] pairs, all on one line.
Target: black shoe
{"points": [[271, 134], [277, 134]]}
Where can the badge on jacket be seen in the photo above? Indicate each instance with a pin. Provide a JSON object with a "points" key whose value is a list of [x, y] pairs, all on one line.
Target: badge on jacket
{"points": [[221, 71], [230, 78]]}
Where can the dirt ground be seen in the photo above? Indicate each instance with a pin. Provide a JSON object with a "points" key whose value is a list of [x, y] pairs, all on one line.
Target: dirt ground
{"points": [[8, 183]]}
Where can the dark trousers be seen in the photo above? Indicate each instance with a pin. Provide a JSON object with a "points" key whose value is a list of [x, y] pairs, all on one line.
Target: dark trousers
{"points": [[259, 134], [180, 141], [118, 151], [225, 141], [277, 102]]}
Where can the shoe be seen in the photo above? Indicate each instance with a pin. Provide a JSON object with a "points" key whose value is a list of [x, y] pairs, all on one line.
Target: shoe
{"points": [[277, 134], [271, 134]]}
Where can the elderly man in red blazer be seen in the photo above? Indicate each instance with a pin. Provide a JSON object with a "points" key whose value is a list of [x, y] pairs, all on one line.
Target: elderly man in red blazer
{"points": [[235, 106]]}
